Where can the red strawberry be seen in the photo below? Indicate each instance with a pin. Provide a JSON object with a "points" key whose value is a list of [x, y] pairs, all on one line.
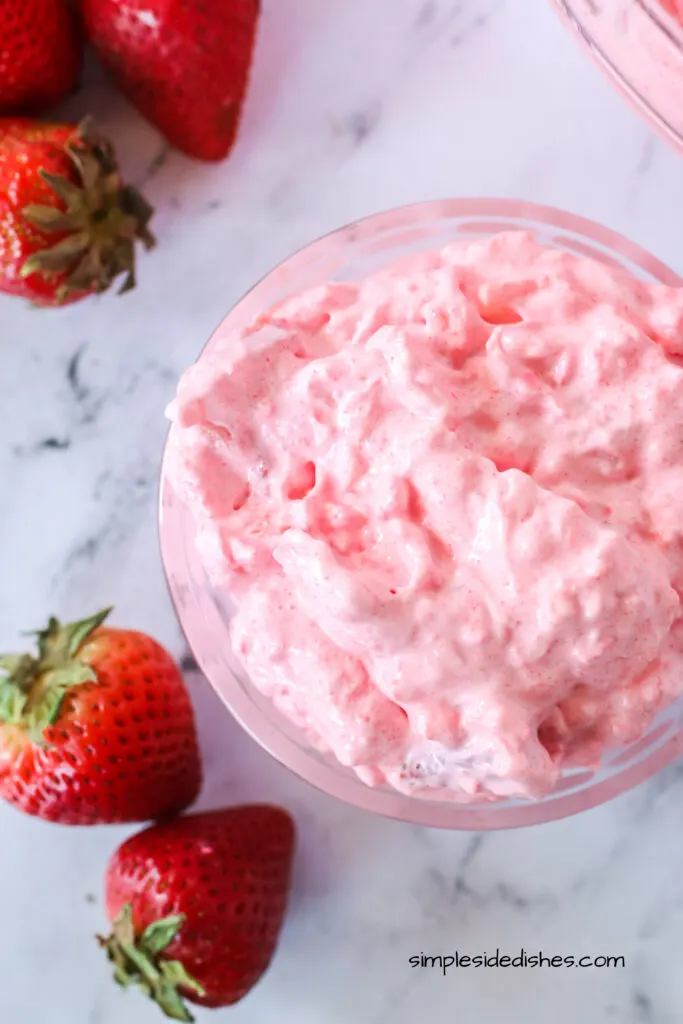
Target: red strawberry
{"points": [[184, 65], [40, 55], [197, 905], [97, 728], [68, 225]]}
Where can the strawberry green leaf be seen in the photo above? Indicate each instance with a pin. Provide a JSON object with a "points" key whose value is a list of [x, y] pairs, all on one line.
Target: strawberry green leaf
{"points": [[172, 1003], [47, 218], [65, 189], [56, 684], [137, 962], [20, 668], [73, 673], [87, 165], [100, 212], [58, 643], [19, 672], [158, 935], [12, 703], [174, 971], [44, 713], [60, 257], [129, 284], [139, 213], [149, 975], [32, 690], [76, 633], [123, 926]]}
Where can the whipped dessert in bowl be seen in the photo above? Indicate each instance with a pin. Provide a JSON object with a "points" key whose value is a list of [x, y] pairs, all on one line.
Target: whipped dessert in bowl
{"points": [[419, 513], [638, 44]]}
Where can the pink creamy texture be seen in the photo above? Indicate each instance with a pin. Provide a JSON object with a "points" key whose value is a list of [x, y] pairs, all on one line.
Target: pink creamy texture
{"points": [[447, 501]]}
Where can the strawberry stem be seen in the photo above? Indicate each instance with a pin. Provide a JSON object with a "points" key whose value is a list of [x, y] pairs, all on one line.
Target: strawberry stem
{"points": [[33, 688], [138, 961], [103, 217]]}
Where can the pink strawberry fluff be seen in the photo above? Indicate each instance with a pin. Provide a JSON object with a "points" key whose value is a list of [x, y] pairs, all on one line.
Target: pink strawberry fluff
{"points": [[447, 503]]}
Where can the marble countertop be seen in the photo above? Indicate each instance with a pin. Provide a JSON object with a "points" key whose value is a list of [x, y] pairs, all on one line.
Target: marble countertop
{"points": [[356, 105]]}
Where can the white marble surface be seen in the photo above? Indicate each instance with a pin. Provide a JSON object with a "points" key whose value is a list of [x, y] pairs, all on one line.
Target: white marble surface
{"points": [[356, 105]]}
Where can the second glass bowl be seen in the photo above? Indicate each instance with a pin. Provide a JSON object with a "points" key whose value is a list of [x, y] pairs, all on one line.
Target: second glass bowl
{"points": [[638, 44], [350, 254]]}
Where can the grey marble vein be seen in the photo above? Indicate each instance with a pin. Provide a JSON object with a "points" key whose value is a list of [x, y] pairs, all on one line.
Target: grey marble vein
{"points": [[87, 403], [643, 1007], [360, 124]]}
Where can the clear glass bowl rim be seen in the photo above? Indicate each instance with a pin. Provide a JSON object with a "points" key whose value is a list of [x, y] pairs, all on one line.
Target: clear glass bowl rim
{"points": [[328, 777], [667, 24], [664, 21], [664, 25]]}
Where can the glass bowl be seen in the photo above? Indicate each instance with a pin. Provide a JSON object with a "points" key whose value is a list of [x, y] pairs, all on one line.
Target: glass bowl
{"points": [[638, 44], [349, 254]]}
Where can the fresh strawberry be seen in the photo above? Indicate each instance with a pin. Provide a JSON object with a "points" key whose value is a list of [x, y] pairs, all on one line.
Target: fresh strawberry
{"points": [[40, 55], [197, 905], [97, 728], [184, 65], [68, 225]]}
